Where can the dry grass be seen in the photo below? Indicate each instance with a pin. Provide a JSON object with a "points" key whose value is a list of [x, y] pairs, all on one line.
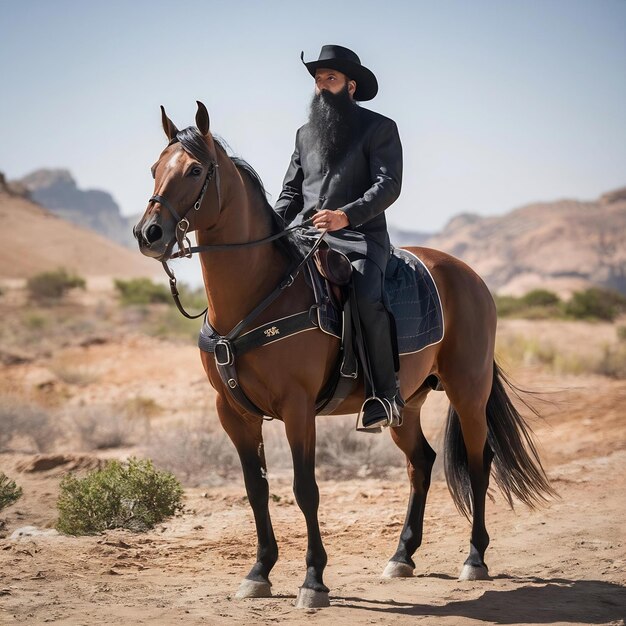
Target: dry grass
{"points": [[102, 427], [563, 354], [195, 454], [28, 423]]}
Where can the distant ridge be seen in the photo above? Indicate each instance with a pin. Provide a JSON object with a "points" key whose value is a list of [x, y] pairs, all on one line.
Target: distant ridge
{"points": [[57, 191], [563, 246], [33, 240]]}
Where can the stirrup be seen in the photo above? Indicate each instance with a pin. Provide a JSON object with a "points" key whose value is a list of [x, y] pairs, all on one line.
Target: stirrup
{"points": [[388, 417]]}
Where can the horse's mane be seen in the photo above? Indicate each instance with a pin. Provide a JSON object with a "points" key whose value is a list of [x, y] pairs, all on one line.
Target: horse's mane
{"points": [[193, 142]]}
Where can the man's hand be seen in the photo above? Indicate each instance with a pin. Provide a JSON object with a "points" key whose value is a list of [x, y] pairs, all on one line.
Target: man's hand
{"points": [[330, 220]]}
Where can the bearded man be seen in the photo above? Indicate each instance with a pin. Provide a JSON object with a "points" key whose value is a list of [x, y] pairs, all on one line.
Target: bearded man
{"points": [[346, 170]]}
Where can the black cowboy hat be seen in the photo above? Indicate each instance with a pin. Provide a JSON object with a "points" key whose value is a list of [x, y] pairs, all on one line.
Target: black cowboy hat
{"points": [[347, 62]]}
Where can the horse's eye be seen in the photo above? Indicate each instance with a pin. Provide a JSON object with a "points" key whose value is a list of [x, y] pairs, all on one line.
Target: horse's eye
{"points": [[196, 171]]}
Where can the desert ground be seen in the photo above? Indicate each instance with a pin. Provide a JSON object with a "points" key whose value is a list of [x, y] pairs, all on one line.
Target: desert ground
{"points": [[100, 381]]}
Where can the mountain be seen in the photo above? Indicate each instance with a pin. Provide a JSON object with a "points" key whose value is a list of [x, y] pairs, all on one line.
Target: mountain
{"points": [[56, 190], [33, 240], [401, 237], [562, 246]]}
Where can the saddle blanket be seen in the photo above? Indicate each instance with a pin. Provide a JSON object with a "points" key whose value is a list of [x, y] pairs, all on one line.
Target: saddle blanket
{"points": [[412, 296]]}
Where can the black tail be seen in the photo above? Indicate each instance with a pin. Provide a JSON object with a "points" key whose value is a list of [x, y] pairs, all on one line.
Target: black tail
{"points": [[516, 466]]}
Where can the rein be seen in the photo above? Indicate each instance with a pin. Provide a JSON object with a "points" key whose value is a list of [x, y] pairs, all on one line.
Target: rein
{"points": [[186, 250], [190, 250]]}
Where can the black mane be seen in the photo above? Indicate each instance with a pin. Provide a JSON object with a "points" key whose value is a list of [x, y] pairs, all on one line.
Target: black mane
{"points": [[193, 142]]}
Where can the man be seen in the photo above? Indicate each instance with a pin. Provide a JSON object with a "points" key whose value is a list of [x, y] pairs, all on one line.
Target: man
{"points": [[346, 170]]}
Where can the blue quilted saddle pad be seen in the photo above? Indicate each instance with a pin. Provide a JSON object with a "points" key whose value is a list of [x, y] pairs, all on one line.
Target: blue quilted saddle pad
{"points": [[412, 296], [415, 303]]}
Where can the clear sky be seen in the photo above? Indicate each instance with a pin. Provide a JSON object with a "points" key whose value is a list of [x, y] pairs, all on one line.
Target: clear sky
{"points": [[499, 102]]}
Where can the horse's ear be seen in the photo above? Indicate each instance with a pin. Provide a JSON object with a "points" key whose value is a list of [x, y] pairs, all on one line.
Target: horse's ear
{"points": [[168, 126], [202, 118]]}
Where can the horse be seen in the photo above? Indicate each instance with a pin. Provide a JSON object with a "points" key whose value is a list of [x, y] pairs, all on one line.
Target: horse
{"points": [[222, 199]]}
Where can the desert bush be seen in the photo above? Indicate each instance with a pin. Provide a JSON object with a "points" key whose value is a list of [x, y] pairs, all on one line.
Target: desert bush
{"points": [[596, 303], [613, 362], [34, 321], [132, 495], [27, 422], [621, 333], [73, 374], [341, 452], [529, 351], [102, 426], [197, 455], [507, 305], [540, 297], [9, 491], [141, 407], [53, 285], [170, 324], [142, 291]]}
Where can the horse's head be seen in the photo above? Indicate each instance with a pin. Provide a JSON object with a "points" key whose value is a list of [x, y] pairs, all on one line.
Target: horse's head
{"points": [[184, 199]]}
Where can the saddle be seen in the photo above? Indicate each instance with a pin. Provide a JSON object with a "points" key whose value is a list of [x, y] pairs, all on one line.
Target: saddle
{"points": [[411, 297], [333, 265]]}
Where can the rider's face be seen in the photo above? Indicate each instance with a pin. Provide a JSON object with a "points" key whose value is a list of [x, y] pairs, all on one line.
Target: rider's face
{"points": [[333, 81]]}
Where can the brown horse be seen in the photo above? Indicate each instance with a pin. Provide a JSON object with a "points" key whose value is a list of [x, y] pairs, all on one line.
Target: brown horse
{"points": [[198, 186]]}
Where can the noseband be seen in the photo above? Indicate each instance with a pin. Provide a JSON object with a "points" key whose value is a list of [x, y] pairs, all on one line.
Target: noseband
{"points": [[182, 223]]}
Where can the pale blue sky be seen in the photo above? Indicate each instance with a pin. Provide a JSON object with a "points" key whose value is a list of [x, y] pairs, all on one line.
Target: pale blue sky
{"points": [[498, 102]]}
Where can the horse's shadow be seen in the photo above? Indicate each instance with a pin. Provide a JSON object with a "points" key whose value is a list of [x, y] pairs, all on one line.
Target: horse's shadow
{"points": [[538, 601]]}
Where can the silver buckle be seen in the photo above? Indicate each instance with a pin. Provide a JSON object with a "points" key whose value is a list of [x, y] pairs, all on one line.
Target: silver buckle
{"points": [[223, 353]]}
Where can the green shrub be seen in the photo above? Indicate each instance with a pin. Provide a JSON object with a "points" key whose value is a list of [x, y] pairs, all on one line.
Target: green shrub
{"points": [[9, 491], [53, 285], [621, 333], [132, 495], [142, 291], [596, 303], [507, 305], [540, 298]]}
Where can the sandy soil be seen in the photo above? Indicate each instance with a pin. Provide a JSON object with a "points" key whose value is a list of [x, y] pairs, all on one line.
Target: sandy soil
{"points": [[562, 564]]}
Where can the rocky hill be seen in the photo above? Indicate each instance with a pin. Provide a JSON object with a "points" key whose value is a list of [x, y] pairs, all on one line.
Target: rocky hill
{"points": [[563, 246], [56, 190], [33, 240]]}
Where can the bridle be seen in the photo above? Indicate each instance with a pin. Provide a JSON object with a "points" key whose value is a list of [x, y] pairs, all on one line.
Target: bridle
{"points": [[182, 223], [186, 250]]}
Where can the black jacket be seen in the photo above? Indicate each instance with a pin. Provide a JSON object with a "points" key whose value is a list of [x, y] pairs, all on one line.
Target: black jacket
{"points": [[365, 182]]}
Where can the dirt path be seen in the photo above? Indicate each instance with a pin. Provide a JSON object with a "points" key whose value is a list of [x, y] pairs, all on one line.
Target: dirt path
{"points": [[563, 564]]}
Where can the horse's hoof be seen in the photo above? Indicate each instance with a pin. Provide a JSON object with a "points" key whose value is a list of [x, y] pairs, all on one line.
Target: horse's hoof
{"points": [[395, 569], [254, 589], [311, 599], [474, 572]]}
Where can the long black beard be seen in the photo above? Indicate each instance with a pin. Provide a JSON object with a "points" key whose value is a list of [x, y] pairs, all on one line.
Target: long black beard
{"points": [[332, 118]]}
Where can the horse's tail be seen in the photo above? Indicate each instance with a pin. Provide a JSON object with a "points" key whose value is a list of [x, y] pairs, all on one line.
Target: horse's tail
{"points": [[516, 466]]}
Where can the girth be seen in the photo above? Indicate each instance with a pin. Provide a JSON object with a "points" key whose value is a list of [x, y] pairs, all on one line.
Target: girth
{"points": [[227, 350]]}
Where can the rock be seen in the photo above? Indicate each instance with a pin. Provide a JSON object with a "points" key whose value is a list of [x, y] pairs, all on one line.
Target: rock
{"points": [[33, 531], [46, 462]]}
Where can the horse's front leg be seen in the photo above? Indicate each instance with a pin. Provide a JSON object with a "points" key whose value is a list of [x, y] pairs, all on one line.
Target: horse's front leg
{"points": [[247, 436], [300, 429]]}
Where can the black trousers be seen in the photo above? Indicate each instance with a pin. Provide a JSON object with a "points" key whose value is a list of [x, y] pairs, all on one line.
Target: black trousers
{"points": [[369, 257], [368, 284]]}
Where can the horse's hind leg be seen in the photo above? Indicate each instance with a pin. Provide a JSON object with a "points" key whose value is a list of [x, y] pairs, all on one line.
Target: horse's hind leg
{"points": [[248, 439], [420, 459]]}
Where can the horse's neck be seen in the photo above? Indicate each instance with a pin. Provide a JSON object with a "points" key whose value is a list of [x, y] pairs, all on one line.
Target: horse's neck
{"points": [[237, 280]]}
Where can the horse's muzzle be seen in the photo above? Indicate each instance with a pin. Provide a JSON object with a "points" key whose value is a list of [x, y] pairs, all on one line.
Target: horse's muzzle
{"points": [[150, 239]]}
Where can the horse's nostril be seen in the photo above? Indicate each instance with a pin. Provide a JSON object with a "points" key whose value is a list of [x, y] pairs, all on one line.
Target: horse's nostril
{"points": [[154, 233]]}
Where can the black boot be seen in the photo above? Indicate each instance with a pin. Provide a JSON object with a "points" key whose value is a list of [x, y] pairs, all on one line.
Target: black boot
{"points": [[377, 413]]}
